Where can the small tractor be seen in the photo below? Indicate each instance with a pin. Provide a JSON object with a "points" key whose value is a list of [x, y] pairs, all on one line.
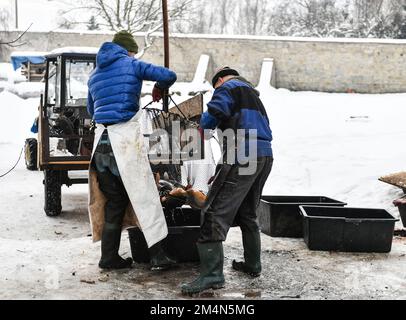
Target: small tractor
{"points": [[65, 137]]}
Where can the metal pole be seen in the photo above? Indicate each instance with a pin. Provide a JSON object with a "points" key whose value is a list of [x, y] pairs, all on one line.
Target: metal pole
{"points": [[166, 48], [16, 12]]}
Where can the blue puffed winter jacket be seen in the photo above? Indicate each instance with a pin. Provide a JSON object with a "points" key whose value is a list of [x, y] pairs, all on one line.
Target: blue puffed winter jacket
{"points": [[115, 85]]}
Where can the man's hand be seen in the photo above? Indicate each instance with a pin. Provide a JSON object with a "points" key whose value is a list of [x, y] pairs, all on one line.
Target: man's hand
{"points": [[157, 94]]}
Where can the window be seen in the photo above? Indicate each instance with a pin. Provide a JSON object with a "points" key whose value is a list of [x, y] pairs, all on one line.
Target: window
{"points": [[77, 75], [52, 84]]}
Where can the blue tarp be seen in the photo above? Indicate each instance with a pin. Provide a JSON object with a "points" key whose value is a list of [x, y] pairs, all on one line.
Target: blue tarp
{"points": [[17, 61]]}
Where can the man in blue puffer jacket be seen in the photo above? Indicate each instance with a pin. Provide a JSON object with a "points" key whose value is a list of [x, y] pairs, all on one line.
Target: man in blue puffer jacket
{"points": [[236, 190], [114, 95]]}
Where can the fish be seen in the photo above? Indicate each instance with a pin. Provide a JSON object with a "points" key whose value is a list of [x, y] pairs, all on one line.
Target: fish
{"points": [[196, 199]]}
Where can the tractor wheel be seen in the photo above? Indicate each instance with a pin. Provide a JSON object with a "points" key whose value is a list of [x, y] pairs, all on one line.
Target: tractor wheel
{"points": [[52, 186], [30, 150]]}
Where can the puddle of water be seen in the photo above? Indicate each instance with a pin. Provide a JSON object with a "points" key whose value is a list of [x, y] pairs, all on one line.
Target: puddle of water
{"points": [[234, 295]]}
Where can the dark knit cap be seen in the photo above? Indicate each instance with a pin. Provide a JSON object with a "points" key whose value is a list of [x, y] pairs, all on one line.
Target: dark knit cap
{"points": [[126, 40], [225, 71]]}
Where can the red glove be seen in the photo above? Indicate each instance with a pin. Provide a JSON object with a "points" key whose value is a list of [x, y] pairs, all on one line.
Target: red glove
{"points": [[156, 94], [201, 131]]}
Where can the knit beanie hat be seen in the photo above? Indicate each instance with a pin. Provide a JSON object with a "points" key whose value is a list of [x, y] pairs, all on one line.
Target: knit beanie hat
{"points": [[222, 72], [126, 40]]}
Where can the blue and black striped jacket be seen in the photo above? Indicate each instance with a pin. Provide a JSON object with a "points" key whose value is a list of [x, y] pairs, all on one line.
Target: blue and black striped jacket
{"points": [[236, 105]]}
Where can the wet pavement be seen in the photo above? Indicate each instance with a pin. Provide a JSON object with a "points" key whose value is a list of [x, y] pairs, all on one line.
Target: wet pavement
{"points": [[54, 258]]}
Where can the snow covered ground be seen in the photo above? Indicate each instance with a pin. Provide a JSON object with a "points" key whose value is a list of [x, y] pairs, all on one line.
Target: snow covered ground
{"points": [[335, 145]]}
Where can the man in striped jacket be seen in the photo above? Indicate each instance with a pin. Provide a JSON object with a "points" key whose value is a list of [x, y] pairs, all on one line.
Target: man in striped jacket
{"points": [[240, 177]]}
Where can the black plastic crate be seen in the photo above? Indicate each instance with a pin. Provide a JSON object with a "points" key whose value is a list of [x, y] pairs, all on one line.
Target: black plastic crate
{"points": [[279, 216], [347, 229], [180, 244]]}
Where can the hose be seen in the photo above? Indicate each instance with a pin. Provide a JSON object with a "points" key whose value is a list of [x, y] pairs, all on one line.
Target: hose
{"points": [[19, 158]]}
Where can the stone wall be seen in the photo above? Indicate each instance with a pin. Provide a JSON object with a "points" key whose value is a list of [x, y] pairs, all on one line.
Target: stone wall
{"points": [[331, 65]]}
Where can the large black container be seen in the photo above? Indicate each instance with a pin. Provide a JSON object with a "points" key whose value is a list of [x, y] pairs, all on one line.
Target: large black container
{"points": [[183, 232], [347, 229], [279, 216], [401, 204], [402, 212]]}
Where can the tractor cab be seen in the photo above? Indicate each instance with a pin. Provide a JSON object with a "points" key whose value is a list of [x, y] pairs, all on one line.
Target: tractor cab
{"points": [[65, 136]]}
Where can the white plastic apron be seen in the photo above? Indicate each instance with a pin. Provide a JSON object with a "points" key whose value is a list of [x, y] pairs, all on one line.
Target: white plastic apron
{"points": [[131, 153]]}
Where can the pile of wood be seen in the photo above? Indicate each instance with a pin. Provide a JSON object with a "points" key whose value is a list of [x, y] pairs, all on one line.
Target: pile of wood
{"points": [[33, 72], [397, 180]]}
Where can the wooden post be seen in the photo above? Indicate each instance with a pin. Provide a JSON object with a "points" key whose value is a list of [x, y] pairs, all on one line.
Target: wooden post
{"points": [[166, 49], [29, 71], [16, 12]]}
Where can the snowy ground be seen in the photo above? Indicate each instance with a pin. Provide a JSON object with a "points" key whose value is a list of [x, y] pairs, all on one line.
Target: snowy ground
{"points": [[335, 145]]}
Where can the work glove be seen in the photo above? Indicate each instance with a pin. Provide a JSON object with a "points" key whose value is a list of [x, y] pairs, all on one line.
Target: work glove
{"points": [[201, 131], [157, 94]]}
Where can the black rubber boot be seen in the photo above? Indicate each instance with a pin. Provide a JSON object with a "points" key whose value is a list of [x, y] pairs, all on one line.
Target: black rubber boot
{"points": [[159, 260], [252, 254], [211, 269], [110, 245]]}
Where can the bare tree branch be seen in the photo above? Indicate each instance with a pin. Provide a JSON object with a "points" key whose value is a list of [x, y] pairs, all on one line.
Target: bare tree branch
{"points": [[134, 15], [12, 43]]}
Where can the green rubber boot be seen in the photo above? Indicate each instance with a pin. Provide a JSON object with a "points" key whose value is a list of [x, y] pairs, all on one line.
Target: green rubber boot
{"points": [[110, 245], [252, 255], [211, 269], [159, 259]]}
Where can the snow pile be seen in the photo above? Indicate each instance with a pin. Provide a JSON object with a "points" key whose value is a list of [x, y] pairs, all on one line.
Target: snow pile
{"points": [[8, 75], [6, 69], [27, 90], [18, 116], [16, 83]]}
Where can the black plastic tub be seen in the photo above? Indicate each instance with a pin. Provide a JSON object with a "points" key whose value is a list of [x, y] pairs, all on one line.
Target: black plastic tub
{"points": [[401, 204], [402, 212], [180, 244], [348, 229], [279, 216]]}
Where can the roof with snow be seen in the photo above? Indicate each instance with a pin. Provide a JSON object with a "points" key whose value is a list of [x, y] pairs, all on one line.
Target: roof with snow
{"points": [[73, 51], [28, 53]]}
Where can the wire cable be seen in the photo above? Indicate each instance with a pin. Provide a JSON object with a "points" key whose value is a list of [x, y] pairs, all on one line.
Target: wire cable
{"points": [[19, 158]]}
